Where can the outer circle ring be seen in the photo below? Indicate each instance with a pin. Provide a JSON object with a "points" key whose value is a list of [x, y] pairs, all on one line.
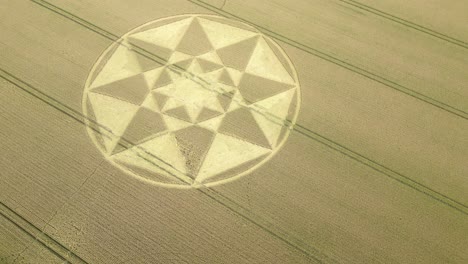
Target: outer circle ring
{"points": [[180, 186]]}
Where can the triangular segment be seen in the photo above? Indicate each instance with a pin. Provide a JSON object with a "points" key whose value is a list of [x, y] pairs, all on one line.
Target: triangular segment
{"points": [[145, 63], [242, 125], [271, 114], [208, 66], [222, 35], [211, 57], [163, 80], [152, 50], [167, 36], [195, 42], [178, 57], [195, 67], [265, 63], [237, 56], [161, 99], [280, 55], [212, 124], [133, 89], [226, 78], [144, 124], [185, 64], [113, 116], [193, 111], [171, 103], [215, 105], [206, 114], [119, 66], [254, 88], [194, 142], [227, 152], [225, 100], [180, 113], [160, 155]]}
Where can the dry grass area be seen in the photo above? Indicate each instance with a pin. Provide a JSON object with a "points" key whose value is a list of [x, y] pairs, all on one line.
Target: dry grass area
{"points": [[375, 169]]}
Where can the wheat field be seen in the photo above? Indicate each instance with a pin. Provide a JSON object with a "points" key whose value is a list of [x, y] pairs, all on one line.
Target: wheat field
{"points": [[269, 131]]}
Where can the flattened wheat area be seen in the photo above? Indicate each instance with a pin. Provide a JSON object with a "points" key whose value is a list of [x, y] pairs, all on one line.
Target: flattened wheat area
{"points": [[233, 131]]}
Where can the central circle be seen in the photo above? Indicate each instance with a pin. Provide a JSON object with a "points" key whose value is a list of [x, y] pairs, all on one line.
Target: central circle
{"points": [[191, 101]]}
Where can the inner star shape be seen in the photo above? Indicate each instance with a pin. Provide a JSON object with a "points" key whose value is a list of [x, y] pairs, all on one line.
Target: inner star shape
{"points": [[191, 101], [196, 94]]}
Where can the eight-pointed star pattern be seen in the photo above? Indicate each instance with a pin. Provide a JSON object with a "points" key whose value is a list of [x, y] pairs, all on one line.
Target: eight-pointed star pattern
{"points": [[214, 110]]}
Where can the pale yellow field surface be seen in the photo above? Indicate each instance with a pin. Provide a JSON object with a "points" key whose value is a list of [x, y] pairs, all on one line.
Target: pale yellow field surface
{"points": [[233, 131]]}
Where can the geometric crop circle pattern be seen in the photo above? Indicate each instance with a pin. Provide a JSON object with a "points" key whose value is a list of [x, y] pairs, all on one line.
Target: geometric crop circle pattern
{"points": [[191, 101]]}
